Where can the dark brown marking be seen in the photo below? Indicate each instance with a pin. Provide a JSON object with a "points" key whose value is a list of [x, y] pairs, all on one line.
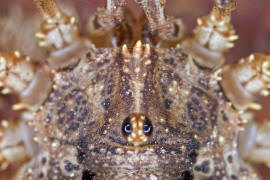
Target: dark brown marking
{"points": [[106, 103], [96, 23], [167, 103], [230, 159], [204, 167]]}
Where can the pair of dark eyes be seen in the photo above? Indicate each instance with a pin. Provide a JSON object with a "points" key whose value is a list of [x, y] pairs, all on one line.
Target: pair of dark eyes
{"points": [[147, 127]]}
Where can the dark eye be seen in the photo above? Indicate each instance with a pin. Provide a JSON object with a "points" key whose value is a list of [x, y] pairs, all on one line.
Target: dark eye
{"points": [[127, 128], [147, 127]]}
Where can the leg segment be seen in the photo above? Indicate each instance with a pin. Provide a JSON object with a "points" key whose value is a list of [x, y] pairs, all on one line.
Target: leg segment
{"points": [[254, 145], [30, 81], [260, 152], [246, 80], [242, 83], [213, 36], [16, 144], [105, 19], [60, 35], [166, 28], [58, 30], [112, 26]]}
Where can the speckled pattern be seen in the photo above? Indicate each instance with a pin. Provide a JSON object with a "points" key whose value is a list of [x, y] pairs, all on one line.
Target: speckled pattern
{"points": [[80, 124], [83, 170]]}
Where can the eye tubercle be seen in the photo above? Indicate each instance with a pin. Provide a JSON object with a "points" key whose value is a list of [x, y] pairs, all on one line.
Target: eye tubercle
{"points": [[137, 128]]}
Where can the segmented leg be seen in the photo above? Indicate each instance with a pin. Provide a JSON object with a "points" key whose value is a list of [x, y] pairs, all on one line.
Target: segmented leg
{"points": [[213, 36], [17, 146], [166, 28], [105, 19], [58, 30], [246, 80], [112, 26], [60, 35], [254, 145], [115, 33], [31, 82], [242, 83], [22, 76]]}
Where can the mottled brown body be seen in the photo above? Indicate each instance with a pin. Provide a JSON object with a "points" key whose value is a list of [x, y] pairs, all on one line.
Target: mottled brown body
{"points": [[80, 123], [164, 107]]}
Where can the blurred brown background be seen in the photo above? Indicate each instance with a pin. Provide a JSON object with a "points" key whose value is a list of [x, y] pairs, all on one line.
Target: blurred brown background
{"points": [[19, 21]]}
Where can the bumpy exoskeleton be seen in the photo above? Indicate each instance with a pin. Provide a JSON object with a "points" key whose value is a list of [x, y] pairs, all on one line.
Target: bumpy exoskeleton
{"points": [[156, 105]]}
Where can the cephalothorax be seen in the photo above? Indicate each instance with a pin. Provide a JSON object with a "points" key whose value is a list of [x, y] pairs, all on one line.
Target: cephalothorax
{"points": [[148, 105]]}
